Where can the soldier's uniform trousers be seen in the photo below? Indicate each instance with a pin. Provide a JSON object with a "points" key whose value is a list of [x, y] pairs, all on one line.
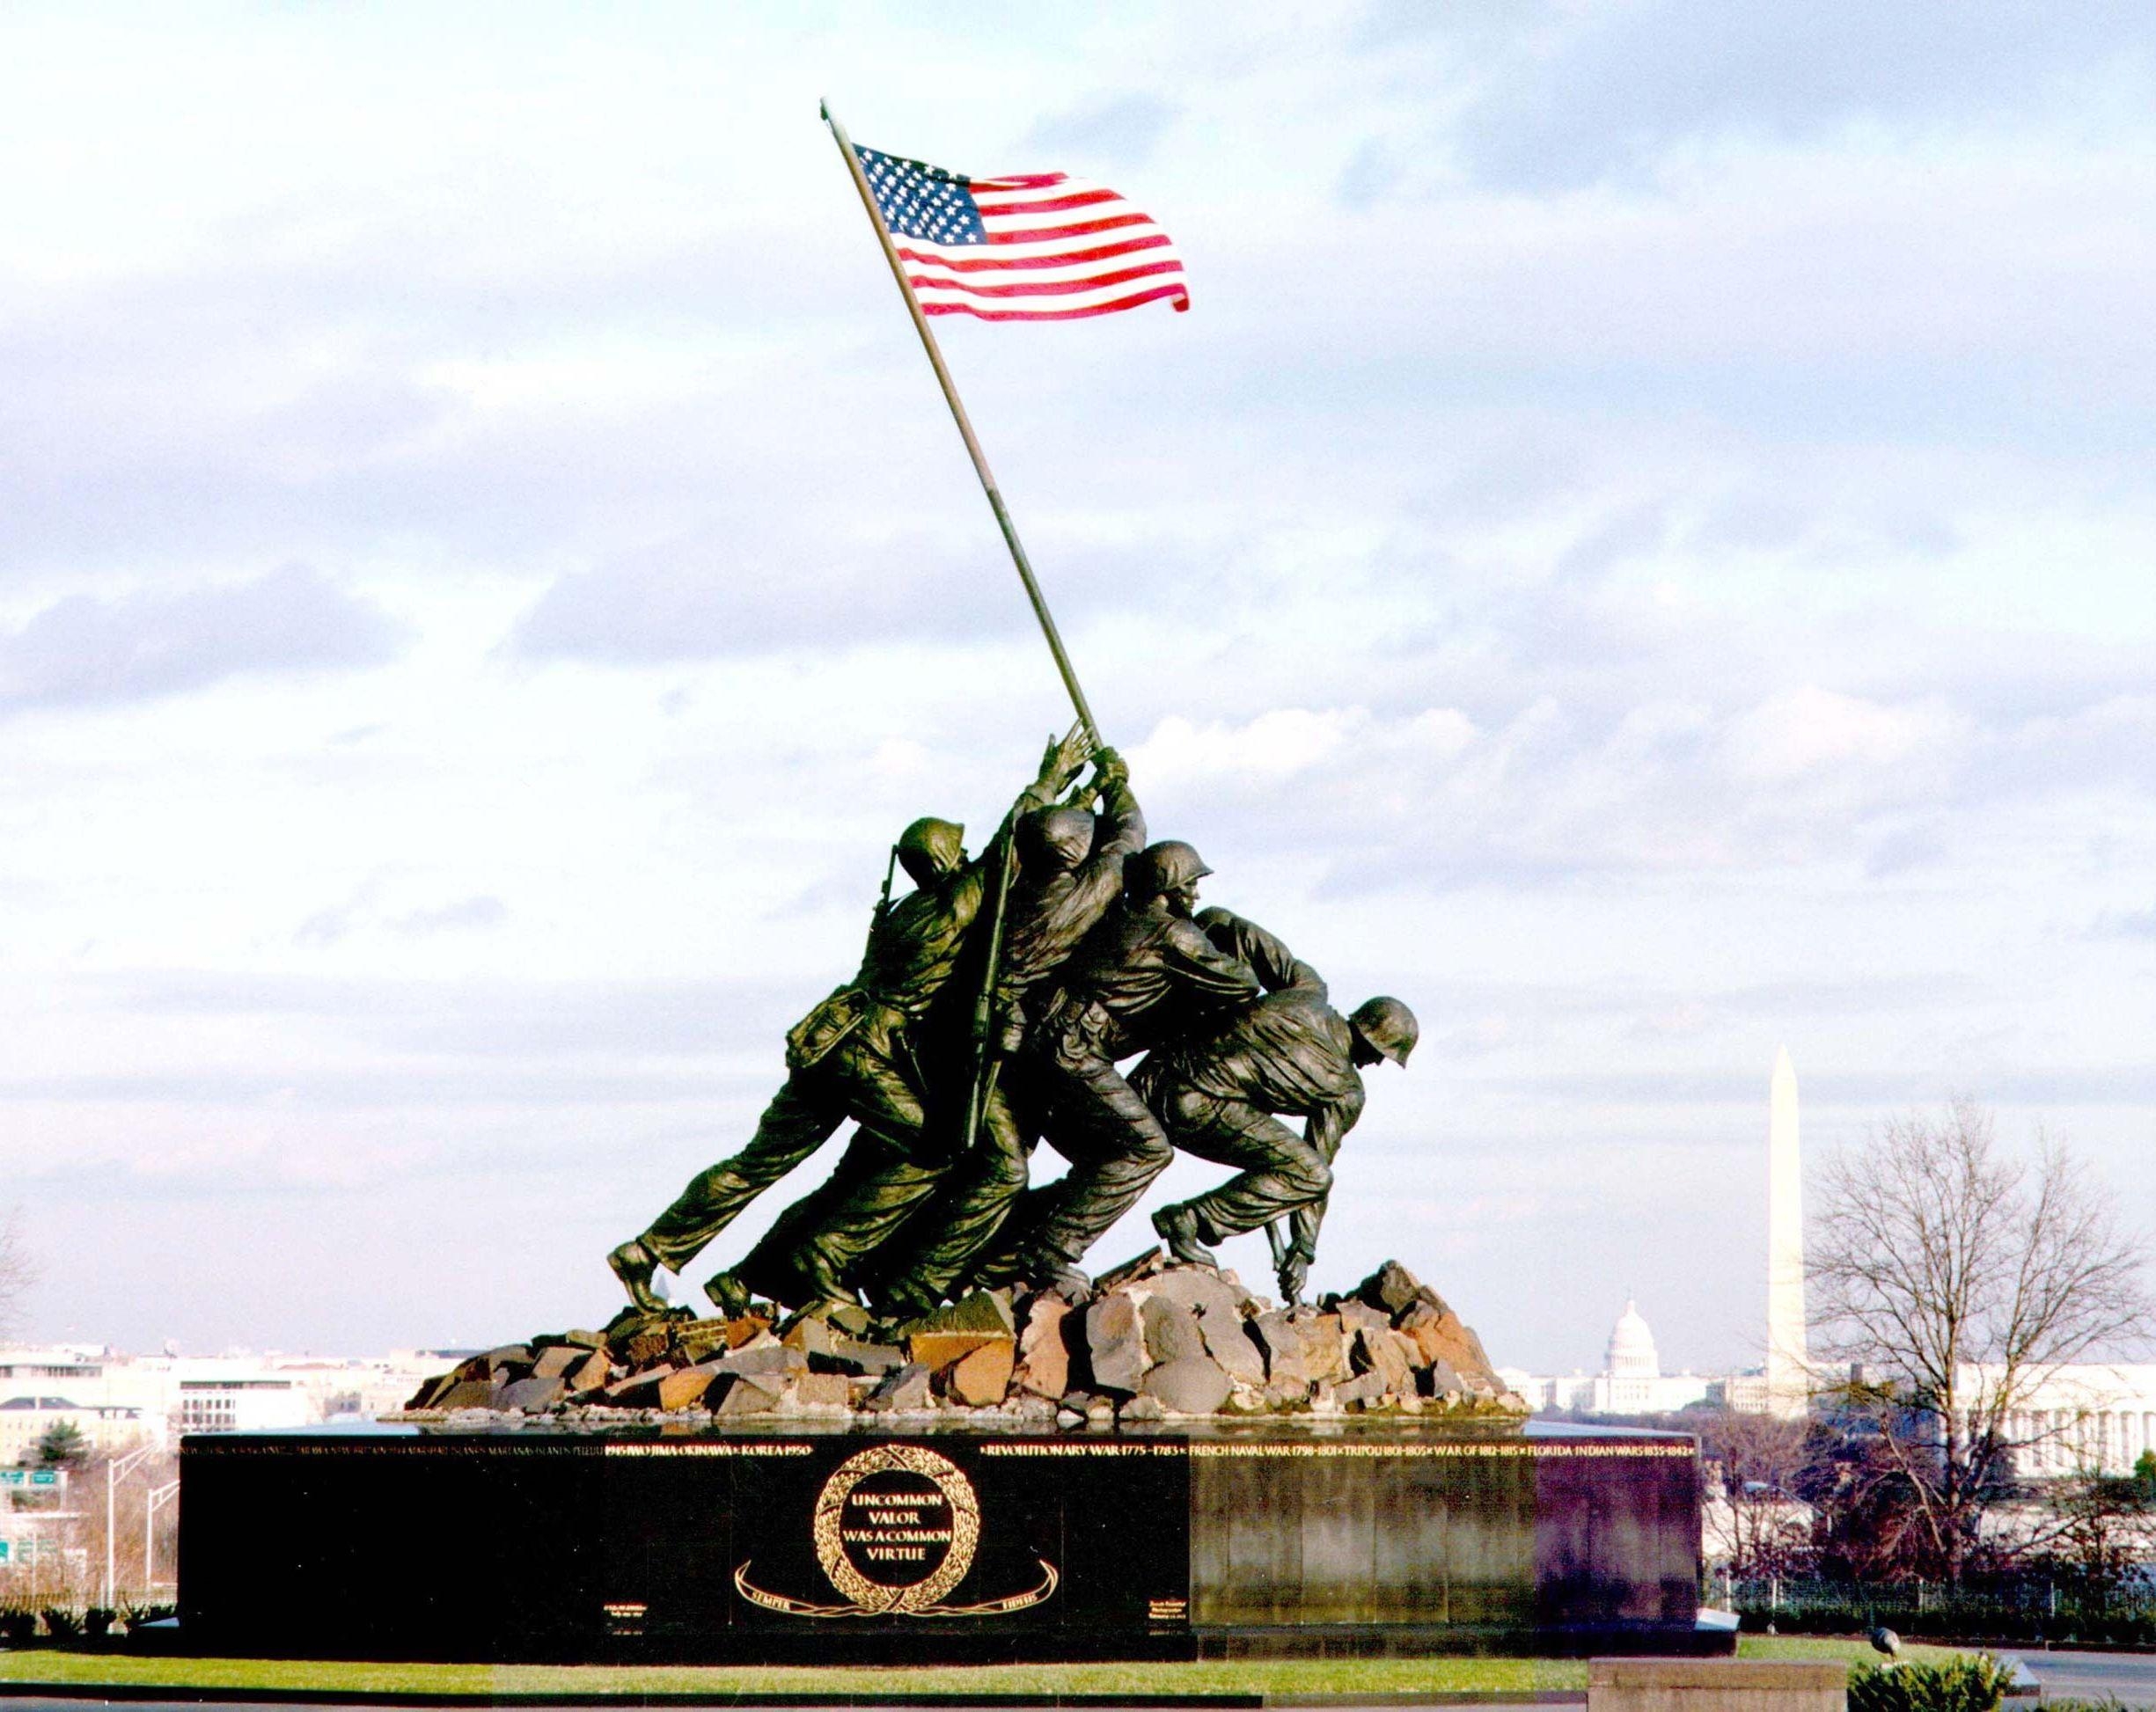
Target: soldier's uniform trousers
{"points": [[855, 1081], [1279, 1171], [1115, 1144], [972, 1205]]}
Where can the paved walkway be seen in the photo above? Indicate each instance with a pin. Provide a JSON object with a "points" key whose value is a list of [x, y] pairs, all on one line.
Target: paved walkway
{"points": [[2131, 1676]]}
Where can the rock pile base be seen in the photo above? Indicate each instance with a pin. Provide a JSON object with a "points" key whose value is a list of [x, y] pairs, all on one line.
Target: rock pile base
{"points": [[1155, 1341]]}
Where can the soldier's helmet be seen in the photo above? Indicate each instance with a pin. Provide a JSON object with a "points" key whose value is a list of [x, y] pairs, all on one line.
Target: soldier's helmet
{"points": [[931, 848], [1051, 840], [1388, 1026], [1166, 867]]}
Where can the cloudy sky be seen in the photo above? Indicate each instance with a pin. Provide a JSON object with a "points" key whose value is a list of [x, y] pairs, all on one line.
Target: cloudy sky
{"points": [[1645, 546]]}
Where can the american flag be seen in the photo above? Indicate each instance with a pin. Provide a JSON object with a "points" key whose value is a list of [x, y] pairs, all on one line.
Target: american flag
{"points": [[1033, 246]]}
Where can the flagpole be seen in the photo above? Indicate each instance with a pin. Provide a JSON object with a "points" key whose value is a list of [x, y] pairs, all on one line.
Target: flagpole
{"points": [[965, 427]]}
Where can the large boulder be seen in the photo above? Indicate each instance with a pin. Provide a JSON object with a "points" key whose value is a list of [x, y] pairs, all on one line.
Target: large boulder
{"points": [[1219, 1306], [558, 1361], [1171, 1331], [1440, 1336], [1389, 1355], [738, 1394], [1043, 1368], [821, 1391], [772, 1358], [900, 1392], [1189, 1385], [1392, 1289], [1115, 1344], [851, 1357], [940, 1340], [981, 1376], [531, 1395]]}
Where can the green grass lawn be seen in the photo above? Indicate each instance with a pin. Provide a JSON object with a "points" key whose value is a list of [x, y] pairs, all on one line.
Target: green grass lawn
{"points": [[1275, 1677]]}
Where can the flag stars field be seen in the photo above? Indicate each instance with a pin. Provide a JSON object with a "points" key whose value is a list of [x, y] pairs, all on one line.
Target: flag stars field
{"points": [[1064, 249]]}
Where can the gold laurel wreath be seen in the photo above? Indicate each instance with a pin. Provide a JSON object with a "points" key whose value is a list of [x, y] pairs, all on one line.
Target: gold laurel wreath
{"points": [[920, 1598], [957, 1492], [792, 1607]]}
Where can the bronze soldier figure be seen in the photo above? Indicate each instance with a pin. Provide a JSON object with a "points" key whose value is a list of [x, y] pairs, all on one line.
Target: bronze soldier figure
{"points": [[1221, 1095], [1070, 871], [1145, 967], [849, 1058]]}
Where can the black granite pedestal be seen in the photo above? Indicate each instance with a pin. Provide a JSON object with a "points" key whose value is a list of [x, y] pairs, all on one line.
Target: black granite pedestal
{"points": [[801, 1541]]}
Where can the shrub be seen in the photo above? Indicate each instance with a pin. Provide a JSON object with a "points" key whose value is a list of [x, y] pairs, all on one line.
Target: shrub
{"points": [[60, 1623], [134, 1615], [98, 1623], [18, 1624], [1968, 1682]]}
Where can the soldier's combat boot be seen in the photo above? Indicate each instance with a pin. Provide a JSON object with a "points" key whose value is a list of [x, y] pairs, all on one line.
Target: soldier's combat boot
{"points": [[634, 1265], [728, 1294], [1177, 1227], [822, 1287], [1069, 1283], [897, 1304]]}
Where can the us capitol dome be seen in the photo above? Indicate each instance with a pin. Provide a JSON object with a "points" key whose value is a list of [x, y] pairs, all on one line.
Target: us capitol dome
{"points": [[1631, 1381], [1630, 1353]]}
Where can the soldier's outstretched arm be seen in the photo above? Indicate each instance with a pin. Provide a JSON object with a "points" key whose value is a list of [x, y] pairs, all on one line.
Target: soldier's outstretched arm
{"points": [[1202, 968], [1329, 1123], [1323, 1130], [1062, 761], [1127, 822], [1276, 967]]}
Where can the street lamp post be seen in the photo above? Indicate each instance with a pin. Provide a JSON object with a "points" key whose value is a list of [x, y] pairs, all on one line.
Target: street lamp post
{"points": [[159, 1495], [116, 1471]]}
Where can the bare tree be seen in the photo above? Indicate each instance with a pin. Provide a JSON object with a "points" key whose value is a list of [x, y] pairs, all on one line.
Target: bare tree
{"points": [[1756, 1464], [1962, 1280]]}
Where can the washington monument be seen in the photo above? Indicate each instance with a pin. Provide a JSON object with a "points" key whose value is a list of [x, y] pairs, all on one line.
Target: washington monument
{"points": [[1788, 1380]]}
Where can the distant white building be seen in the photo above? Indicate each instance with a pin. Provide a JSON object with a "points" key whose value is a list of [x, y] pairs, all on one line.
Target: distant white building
{"points": [[2089, 1418], [25, 1419], [117, 1399], [1631, 1381]]}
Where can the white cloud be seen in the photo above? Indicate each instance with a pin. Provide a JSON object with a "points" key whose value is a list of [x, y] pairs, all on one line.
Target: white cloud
{"points": [[1812, 730], [84, 650], [1644, 565]]}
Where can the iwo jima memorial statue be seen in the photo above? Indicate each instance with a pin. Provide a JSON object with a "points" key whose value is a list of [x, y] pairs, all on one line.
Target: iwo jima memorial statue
{"points": [[913, 1425]]}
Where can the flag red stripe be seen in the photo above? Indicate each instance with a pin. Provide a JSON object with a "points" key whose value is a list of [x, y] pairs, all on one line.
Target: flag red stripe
{"points": [[1044, 287], [1176, 291], [975, 262], [1077, 229], [1050, 205], [1016, 181]]}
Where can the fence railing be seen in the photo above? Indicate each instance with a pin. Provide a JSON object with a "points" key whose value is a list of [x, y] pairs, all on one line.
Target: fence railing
{"points": [[2020, 1608]]}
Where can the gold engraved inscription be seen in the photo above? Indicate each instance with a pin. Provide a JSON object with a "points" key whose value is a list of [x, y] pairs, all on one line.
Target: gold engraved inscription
{"points": [[896, 1529]]}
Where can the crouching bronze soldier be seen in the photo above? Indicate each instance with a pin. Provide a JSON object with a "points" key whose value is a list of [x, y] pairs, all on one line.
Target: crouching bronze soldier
{"points": [[849, 1058], [1221, 1094]]}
